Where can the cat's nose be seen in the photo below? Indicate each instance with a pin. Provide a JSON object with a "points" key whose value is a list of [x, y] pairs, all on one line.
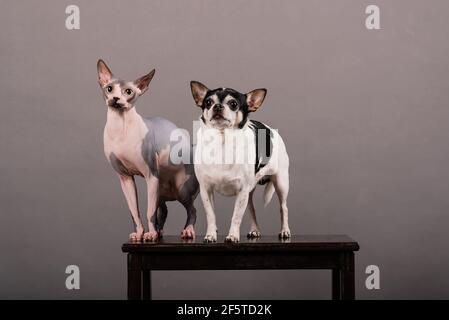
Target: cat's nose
{"points": [[116, 99]]}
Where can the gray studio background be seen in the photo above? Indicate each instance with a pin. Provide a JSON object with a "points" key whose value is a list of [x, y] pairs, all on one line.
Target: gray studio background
{"points": [[364, 115]]}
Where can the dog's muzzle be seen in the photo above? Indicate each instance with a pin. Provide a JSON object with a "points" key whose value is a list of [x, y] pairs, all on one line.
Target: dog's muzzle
{"points": [[217, 112]]}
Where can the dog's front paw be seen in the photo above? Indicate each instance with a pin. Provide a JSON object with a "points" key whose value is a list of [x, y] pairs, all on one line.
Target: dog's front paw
{"points": [[253, 234], [150, 236], [188, 232], [285, 234], [232, 239], [209, 238]]}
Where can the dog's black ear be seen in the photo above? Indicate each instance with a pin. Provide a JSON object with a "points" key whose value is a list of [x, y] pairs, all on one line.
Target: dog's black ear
{"points": [[104, 73], [143, 82], [199, 92], [255, 98]]}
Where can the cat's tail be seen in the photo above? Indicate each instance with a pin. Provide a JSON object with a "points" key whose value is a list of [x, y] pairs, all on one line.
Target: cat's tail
{"points": [[268, 193]]}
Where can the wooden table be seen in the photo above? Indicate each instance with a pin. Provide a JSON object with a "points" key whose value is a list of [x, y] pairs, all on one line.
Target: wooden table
{"points": [[333, 252]]}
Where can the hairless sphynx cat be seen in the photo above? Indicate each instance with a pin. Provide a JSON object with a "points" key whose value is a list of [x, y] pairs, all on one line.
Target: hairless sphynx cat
{"points": [[138, 146]]}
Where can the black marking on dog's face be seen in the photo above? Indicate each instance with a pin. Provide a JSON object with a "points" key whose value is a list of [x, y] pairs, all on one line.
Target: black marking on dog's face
{"points": [[225, 107]]}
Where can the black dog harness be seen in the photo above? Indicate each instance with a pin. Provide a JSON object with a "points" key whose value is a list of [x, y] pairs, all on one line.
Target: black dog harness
{"points": [[264, 143]]}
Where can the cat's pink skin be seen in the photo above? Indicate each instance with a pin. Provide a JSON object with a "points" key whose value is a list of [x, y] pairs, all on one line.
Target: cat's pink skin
{"points": [[136, 146], [188, 232]]}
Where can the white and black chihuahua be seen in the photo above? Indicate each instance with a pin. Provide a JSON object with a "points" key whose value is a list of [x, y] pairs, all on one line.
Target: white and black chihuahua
{"points": [[234, 154], [137, 146]]}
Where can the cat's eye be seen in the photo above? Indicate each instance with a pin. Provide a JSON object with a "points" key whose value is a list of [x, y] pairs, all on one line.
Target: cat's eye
{"points": [[233, 104], [128, 92], [109, 88], [208, 103]]}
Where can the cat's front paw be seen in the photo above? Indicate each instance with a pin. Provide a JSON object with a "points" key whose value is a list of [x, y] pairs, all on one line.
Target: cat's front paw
{"points": [[188, 232], [136, 236], [151, 236]]}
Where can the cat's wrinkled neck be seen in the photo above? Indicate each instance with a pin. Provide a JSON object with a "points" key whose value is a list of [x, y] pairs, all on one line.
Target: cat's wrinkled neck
{"points": [[120, 121]]}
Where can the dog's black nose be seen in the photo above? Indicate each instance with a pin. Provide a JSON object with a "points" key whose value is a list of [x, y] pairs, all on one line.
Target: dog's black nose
{"points": [[218, 107]]}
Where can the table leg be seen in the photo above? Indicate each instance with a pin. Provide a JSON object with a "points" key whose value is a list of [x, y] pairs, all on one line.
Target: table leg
{"points": [[146, 282], [336, 284], [134, 277], [348, 277]]}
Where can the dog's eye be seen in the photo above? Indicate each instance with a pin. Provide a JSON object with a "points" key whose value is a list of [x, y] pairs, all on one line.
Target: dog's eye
{"points": [[109, 89], [208, 103], [233, 104], [128, 92]]}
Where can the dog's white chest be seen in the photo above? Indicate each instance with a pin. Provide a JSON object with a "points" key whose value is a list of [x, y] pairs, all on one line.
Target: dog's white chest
{"points": [[221, 162], [225, 179]]}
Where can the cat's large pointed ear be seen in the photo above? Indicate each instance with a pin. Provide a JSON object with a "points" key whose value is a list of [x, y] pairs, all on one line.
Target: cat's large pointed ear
{"points": [[104, 73], [199, 92], [143, 82], [255, 98]]}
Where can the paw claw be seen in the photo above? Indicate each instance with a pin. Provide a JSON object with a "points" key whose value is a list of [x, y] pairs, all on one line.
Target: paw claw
{"points": [[253, 234], [188, 233], [231, 239], [135, 237], [284, 234], [210, 238], [151, 236]]}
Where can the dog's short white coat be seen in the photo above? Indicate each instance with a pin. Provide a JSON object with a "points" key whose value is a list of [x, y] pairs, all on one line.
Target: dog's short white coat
{"points": [[234, 178]]}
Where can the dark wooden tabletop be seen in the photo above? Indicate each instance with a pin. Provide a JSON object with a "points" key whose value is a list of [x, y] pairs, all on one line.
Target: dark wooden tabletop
{"points": [[265, 243]]}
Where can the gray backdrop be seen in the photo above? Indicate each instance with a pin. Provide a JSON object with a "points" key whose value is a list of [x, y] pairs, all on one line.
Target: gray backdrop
{"points": [[364, 115]]}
